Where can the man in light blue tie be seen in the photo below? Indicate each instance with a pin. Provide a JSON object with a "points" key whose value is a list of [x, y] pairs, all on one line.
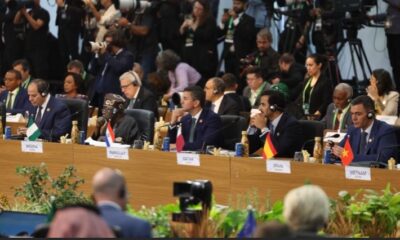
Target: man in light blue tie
{"points": [[200, 126]]}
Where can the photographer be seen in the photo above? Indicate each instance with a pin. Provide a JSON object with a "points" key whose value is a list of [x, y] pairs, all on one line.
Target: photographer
{"points": [[36, 41], [110, 62], [69, 20]]}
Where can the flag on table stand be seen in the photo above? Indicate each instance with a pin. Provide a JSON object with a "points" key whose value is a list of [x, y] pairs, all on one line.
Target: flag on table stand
{"points": [[33, 132], [180, 141], [347, 154], [249, 226], [109, 135], [269, 149]]}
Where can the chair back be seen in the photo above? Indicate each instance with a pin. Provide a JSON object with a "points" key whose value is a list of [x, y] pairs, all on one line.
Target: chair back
{"points": [[233, 126], [79, 110], [145, 121], [311, 129], [3, 115]]}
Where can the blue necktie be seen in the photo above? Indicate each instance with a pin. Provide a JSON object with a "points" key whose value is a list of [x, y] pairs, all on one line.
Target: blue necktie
{"points": [[363, 142]]}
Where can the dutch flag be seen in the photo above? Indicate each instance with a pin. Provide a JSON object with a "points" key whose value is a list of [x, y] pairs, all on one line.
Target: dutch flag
{"points": [[109, 135]]}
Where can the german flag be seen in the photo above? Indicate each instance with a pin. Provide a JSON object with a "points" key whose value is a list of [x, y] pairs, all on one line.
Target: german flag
{"points": [[269, 150], [347, 154]]}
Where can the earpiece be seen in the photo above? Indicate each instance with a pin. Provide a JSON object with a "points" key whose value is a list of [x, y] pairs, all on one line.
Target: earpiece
{"points": [[136, 79], [43, 89], [370, 115], [273, 107], [215, 91], [114, 110]]}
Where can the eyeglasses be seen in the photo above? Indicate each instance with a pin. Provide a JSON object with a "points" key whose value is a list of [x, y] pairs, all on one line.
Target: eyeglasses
{"points": [[125, 86]]}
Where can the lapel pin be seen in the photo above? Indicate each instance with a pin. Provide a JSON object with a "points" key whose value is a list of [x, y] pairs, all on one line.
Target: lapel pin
{"points": [[277, 134], [201, 121], [48, 110], [370, 140]]}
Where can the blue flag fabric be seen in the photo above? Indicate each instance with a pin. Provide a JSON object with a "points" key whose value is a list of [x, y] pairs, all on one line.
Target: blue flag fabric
{"points": [[249, 226]]}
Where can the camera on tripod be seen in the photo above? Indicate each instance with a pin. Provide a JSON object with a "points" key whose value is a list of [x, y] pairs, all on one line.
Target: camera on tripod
{"points": [[191, 193], [353, 12]]}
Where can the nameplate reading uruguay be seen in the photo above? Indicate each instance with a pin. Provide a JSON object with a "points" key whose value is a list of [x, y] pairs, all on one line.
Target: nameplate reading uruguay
{"points": [[358, 173], [188, 159], [118, 153], [278, 166], [32, 147]]}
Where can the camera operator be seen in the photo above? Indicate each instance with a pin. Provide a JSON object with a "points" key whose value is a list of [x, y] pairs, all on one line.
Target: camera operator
{"points": [[69, 20], [13, 45], [36, 41], [294, 39], [110, 62], [140, 24]]}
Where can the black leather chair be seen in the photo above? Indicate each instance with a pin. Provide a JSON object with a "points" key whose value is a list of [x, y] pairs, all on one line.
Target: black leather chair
{"points": [[311, 129], [145, 120], [3, 115], [232, 130], [79, 110]]}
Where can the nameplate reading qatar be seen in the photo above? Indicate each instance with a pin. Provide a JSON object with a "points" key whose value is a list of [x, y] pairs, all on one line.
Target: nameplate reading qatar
{"points": [[279, 166], [358, 173], [118, 153], [188, 159], [31, 147]]}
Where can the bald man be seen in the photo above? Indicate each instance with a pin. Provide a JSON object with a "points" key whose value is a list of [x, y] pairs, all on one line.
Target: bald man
{"points": [[110, 194]]}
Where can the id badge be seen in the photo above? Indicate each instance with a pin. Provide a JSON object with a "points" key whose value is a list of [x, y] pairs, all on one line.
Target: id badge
{"points": [[189, 41], [229, 36], [306, 108]]}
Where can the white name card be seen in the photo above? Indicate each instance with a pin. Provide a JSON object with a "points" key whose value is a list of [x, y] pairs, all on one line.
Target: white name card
{"points": [[118, 153], [358, 173], [188, 159], [279, 166], [32, 147]]}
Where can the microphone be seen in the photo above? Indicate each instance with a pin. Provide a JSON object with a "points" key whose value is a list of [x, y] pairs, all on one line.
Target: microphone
{"points": [[378, 163], [171, 125], [336, 135], [234, 121]]}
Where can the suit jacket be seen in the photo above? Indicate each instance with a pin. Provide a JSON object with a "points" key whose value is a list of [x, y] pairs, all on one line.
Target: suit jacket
{"points": [[56, 120], [287, 137], [381, 136], [207, 131], [228, 107], [113, 67], [329, 122], [21, 101], [242, 102], [131, 227], [145, 100]]}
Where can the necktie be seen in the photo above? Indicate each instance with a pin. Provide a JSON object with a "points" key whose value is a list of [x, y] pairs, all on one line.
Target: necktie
{"points": [[39, 116], [9, 103], [131, 103], [271, 129], [337, 120], [192, 130], [363, 142], [212, 107]]}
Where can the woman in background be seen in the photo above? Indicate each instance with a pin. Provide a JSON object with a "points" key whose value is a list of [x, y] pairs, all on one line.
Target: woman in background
{"points": [[382, 91], [72, 84]]}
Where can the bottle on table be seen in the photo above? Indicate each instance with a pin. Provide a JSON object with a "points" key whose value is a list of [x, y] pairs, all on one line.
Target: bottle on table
{"points": [[75, 132], [245, 142], [317, 153]]}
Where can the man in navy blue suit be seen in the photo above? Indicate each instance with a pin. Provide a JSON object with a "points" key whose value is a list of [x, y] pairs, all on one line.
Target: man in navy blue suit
{"points": [[15, 97], [110, 194], [108, 65], [200, 127], [285, 131], [52, 116], [368, 136]]}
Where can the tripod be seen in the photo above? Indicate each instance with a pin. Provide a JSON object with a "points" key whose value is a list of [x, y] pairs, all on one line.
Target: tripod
{"points": [[357, 53]]}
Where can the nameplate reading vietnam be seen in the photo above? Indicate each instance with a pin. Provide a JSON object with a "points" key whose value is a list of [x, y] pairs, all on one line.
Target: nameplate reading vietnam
{"points": [[118, 153], [31, 147], [188, 159], [279, 166], [358, 173]]}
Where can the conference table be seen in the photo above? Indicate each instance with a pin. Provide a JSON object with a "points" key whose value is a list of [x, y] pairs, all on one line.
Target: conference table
{"points": [[150, 174]]}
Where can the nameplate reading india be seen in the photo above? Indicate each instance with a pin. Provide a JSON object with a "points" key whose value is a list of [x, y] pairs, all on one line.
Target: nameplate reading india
{"points": [[31, 147], [118, 153], [278, 166], [188, 159], [358, 173]]}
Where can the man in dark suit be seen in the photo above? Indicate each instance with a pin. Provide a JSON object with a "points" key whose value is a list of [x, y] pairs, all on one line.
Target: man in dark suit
{"points": [[112, 62], [200, 127], [231, 86], [338, 115], [110, 194], [285, 131], [15, 97], [138, 96], [217, 101], [368, 136], [51, 115], [239, 31], [22, 65]]}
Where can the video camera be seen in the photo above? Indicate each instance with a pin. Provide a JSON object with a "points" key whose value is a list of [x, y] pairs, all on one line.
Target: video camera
{"points": [[353, 12], [95, 46], [191, 193]]}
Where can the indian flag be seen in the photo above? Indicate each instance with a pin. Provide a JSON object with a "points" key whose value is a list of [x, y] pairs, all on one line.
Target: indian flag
{"points": [[33, 132], [269, 150]]}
